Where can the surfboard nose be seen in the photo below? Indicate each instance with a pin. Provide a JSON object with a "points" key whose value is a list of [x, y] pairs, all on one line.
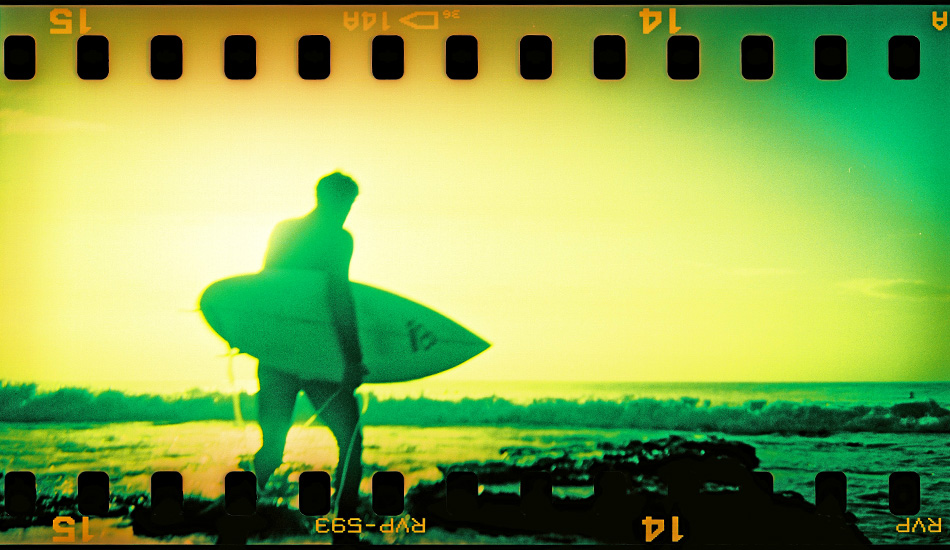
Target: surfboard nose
{"points": [[482, 341], [478, 344]]}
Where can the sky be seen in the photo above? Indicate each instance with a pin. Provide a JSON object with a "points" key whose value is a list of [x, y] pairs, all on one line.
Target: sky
{"points": [[635, 230]]}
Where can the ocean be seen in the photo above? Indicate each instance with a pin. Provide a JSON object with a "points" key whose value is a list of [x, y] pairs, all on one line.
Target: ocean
{"points": [[718, 393]]}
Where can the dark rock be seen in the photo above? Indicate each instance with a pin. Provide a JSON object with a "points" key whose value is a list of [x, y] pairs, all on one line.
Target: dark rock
{"points": [[210, 518], [708, 485]]}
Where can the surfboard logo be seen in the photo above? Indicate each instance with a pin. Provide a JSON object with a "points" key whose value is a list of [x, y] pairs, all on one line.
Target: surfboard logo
{"points": [[420, 337]]}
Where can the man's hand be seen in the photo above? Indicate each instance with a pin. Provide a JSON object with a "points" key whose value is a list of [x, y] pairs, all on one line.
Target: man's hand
{"points": [[353, 376]]}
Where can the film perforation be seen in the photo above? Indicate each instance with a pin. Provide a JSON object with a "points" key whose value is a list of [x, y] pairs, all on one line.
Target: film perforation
{"points": [[167, 497], [388, 56], [683, 57], [240, 493], [831, 57], [904, 493], [903, 57], [757, 57], [313, 58], [610, 57], [461, 57], [831, 493], [240, 57], [92, 57], [388, 489], [165, 57], [92, 494], [19, 57]]}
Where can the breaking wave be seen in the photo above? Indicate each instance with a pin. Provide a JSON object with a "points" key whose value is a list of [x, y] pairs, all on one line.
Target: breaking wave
{"points": [[686, 414], [22, 403]]}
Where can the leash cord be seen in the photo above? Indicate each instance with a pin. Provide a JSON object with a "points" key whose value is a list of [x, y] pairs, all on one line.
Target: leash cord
{"points": [[235, 396]]}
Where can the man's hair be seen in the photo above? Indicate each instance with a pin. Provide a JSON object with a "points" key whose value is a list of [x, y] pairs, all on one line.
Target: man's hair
{"points": [[336, 188]]}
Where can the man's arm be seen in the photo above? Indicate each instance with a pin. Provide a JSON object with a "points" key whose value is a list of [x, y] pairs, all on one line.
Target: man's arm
{"points": [[343, 308], [276, 246]]}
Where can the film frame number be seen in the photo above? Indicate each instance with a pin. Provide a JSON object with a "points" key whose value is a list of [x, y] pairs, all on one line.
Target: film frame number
{"points": [[653, 18], [66, 526], [61, 20], [656, 526], [939, 21]]}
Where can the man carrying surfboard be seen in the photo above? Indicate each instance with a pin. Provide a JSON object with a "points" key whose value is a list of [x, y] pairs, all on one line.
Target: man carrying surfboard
{"points": [[317, 241]]}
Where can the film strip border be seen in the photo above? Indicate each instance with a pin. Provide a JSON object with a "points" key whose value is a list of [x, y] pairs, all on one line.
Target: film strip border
{"points": [[609, 60]]}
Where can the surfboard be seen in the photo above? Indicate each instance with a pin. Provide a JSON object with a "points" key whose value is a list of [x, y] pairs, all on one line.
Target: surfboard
{"points": [[282, 317]]}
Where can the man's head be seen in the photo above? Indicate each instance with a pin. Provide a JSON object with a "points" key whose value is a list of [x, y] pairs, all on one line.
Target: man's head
{"points": [[335, 195]]}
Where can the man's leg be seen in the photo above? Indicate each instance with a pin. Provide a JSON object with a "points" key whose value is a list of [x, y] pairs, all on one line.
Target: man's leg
{"points": [[341, 415], [275, 408]]}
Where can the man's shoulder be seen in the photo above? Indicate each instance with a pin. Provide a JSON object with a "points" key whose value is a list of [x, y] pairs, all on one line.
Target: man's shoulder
{"points": [[345, 241], [290, 224]]}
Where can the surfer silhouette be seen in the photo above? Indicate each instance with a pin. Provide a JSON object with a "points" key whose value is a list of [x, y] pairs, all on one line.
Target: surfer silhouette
{"points": [[318, 241]]}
